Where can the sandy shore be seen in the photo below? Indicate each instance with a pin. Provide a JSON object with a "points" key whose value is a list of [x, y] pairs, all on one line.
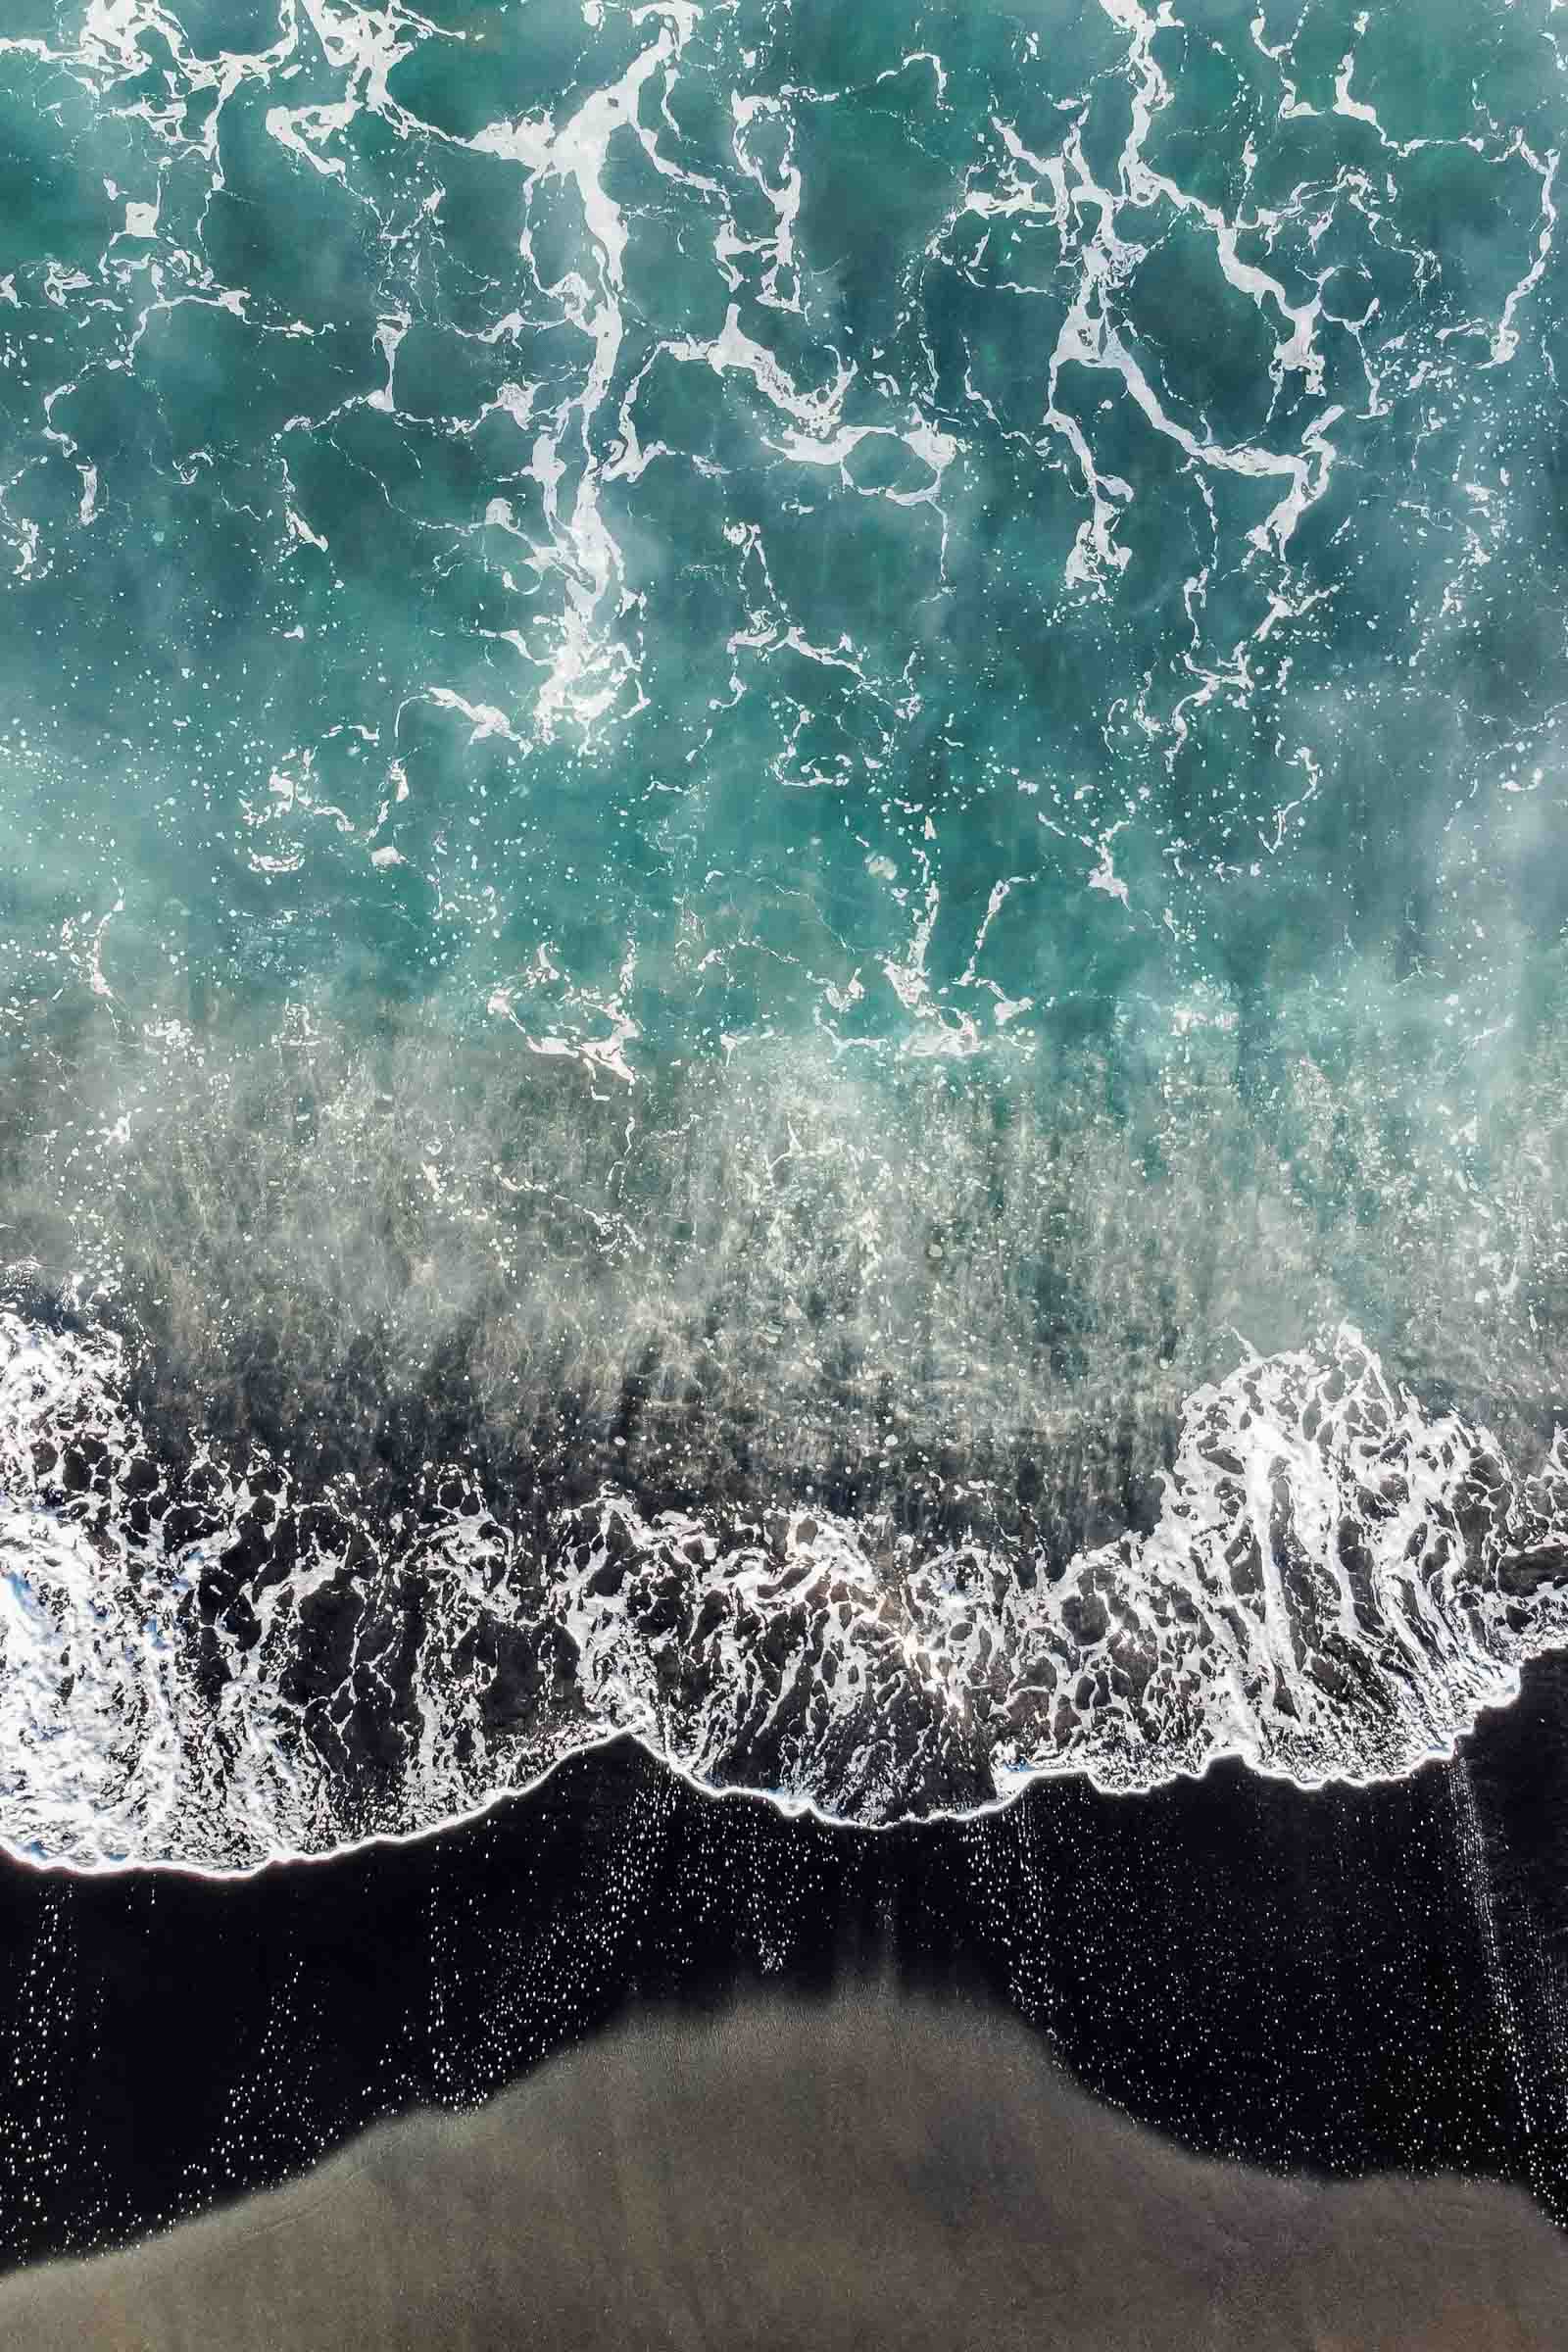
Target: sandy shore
{"points": [[873, 2173]]}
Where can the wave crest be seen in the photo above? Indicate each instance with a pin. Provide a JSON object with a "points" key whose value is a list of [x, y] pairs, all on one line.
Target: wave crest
{"points": [[213, 1671]]}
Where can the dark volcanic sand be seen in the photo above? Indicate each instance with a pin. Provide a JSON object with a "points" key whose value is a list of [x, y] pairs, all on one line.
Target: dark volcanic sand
{"points": [[1353, 1981], [862, 2174]]}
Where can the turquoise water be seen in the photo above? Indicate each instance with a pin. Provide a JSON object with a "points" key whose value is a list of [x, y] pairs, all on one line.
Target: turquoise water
{"points": [[778, 757]]}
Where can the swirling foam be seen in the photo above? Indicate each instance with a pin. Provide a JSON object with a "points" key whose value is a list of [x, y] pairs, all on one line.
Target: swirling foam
{"points": [[1338, 1581]]}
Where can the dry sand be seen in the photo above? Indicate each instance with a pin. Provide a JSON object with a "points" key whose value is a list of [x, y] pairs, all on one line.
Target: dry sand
{"points": [[870, 2174]]}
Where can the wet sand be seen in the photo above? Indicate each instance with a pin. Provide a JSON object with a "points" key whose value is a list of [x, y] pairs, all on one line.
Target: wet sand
{"points": [[869, 2173]]}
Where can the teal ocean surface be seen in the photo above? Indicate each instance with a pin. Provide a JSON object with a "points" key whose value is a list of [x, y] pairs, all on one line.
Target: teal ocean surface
{"points": [[783, 877]]}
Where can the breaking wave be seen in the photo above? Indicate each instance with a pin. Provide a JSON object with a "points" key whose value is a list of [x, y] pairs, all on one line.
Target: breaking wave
{"points": [[1336, 1584], [382, 1423]]}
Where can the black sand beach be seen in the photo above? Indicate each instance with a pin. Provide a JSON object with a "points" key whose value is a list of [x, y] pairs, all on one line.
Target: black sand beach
{"points": [[1333, 1986], [870, 2173]]}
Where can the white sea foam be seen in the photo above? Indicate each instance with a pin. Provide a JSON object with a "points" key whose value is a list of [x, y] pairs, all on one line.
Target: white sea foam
{"points": [[1337, 1583], [578, 627]]}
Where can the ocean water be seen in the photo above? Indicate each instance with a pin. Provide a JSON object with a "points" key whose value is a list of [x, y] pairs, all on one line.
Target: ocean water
{"points": [[782, 895]]}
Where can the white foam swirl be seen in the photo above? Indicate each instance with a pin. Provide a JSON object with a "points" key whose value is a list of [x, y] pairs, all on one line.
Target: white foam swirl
{"points": [[1338, 1581]]}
